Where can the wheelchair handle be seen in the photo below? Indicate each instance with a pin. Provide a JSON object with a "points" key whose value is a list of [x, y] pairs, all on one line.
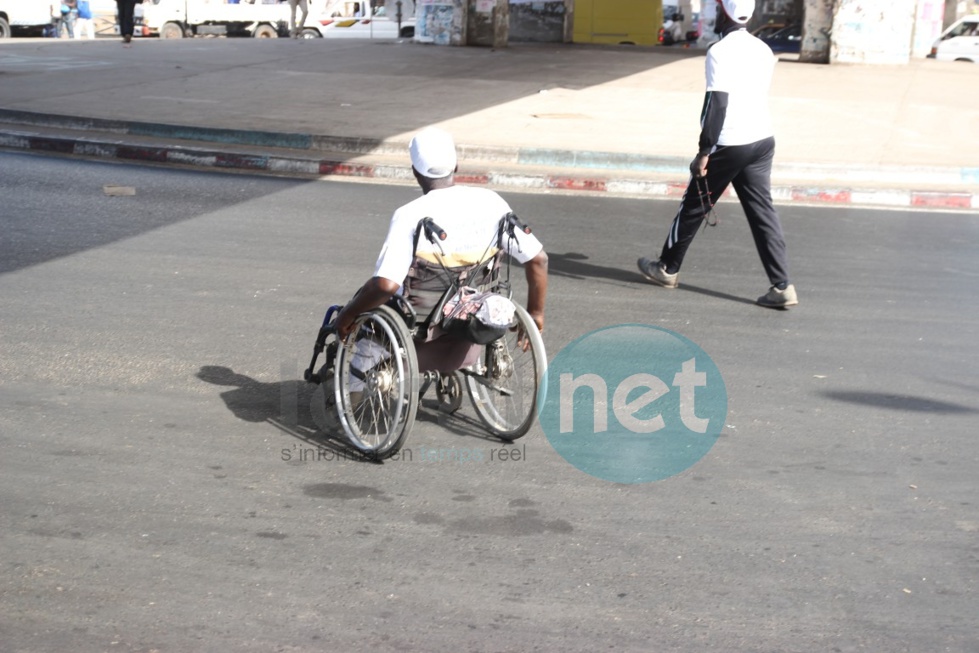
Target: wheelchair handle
{"points": [[433, 231], [514, 222]]}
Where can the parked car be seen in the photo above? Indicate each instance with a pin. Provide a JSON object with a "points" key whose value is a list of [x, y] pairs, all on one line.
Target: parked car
{"points": [[960, 42], [20, 17], [672, 30], [788, 39], [366, 28], [694, 32], [768, 29]]}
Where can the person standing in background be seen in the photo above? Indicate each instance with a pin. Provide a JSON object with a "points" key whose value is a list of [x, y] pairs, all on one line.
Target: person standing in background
{"points": [[127, 16], [69, 12], [84, 22], [737, 147], [54, 29]]}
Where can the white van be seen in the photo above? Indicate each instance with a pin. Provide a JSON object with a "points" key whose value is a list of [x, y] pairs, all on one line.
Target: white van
{"points": [[960, 42], [23, 13]]}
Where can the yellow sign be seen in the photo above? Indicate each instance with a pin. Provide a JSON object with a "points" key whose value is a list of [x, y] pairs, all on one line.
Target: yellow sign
{"points": [[633, 22]]}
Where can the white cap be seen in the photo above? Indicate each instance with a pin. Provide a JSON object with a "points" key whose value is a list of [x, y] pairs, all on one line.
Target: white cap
{"points": [[433, 153], [739, 10]]}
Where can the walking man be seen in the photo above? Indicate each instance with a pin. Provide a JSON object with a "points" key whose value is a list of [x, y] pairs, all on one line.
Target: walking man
{"points": [[127, 11], [737, 146]]}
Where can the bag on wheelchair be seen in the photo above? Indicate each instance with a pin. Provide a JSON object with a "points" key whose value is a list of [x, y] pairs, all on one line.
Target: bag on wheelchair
{"points": [[470, 302], [479, 317]]}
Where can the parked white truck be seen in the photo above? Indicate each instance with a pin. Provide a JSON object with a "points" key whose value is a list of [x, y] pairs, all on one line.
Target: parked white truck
{"points": [[960, 42], [23, 13], [174, 19]]}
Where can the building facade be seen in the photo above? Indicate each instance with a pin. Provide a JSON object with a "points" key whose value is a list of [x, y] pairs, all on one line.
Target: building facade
{"points": [[833, 31]]}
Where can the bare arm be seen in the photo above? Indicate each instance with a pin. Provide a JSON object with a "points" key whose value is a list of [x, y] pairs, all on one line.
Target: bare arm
{"points": [[536, 271], [372, 294]]}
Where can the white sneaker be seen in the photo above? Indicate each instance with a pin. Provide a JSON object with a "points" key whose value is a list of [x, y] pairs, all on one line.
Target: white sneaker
{"points": [[776, 298], [655, 272]]}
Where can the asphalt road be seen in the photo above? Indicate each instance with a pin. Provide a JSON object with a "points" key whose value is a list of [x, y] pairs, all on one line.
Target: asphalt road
{"points": [[158, 493]]}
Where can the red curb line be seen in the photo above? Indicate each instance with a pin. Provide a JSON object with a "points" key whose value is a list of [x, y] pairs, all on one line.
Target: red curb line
{"points": [[155, 154], [346, 169], [181, 156], [570, 183], [464, 178], [941, 200], [60, 145], [817, 195]]}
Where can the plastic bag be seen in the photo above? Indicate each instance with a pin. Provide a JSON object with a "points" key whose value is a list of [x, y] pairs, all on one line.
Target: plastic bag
{"points": [[480, 317]]}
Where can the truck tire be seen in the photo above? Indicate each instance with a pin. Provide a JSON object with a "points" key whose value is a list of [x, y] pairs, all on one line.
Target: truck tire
{"points": [[4, 28], [172, 31], [265, 32]]}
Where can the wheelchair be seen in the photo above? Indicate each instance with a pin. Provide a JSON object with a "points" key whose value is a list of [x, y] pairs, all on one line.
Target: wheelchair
{"points": [[372, 381]]}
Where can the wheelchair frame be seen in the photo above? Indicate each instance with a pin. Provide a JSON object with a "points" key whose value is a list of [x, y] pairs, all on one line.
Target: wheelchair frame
{"points": [[376, 407]]}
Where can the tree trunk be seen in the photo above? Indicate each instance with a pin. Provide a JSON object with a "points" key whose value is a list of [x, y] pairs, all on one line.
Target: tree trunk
{"points": [[501, 24], [816, 30]]}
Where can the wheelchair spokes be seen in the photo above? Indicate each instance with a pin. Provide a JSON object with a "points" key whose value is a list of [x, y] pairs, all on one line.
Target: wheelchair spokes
{"points": [[504, 385], [376, 383]]}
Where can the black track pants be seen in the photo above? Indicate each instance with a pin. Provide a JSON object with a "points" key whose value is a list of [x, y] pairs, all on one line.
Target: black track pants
{"points": [[127, 9], [749, 169]]}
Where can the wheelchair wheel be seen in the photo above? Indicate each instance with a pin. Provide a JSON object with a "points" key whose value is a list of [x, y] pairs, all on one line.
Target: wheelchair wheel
{"points": [[376, 383], [449, 391], [503, 385]]}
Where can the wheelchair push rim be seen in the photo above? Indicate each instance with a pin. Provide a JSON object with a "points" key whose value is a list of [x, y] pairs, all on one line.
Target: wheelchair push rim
{"points": [[376, 383], [505, 385]]}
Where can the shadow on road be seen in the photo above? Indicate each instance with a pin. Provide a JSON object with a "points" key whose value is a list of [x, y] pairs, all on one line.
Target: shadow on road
{"points": [[294, 407], [91, 219], [299, 409], [716, 294], [899, 402], [574, 265]]}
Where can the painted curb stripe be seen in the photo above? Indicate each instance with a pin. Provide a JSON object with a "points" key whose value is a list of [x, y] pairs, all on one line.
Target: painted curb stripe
{"points": [[259, 163], [942, 200], [59, 145], [550, 157], [135, 153], [227, 136]]}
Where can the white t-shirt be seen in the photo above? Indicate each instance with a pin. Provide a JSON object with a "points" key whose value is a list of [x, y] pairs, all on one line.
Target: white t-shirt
{"points": [[741, 65], [470, 217]]}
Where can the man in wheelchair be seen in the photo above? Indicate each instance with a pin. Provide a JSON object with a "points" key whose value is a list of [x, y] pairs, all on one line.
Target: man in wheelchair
{"points": [[421, 268], [438, 309]]}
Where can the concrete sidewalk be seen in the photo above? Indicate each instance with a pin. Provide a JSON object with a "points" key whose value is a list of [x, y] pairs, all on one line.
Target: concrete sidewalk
{"points": [[596, 119]]}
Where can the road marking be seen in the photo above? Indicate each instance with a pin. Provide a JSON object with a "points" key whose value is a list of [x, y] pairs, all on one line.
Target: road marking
{"points": [[13, 61], [177, 99]]}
